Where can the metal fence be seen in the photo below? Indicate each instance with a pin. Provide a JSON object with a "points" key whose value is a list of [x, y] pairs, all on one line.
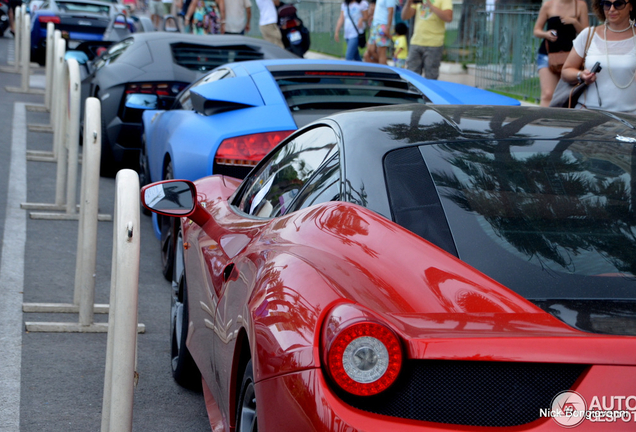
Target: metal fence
{"points": [[495, 45]]}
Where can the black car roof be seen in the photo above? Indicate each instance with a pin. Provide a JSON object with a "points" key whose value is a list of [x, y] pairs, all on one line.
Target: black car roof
{"points": [[369, 134]]}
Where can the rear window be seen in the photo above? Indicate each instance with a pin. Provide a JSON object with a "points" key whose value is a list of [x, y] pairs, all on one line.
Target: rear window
{"points": [[342, 90], [548, 219], [83, 7], [204, 58]]}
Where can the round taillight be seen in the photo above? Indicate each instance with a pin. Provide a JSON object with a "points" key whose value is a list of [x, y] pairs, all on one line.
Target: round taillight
{"points": [[365, 358]]}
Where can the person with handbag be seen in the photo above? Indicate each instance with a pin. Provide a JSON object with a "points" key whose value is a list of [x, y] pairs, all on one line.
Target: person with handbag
{"points": [[558, 24], [613, 46], [353, 15]]}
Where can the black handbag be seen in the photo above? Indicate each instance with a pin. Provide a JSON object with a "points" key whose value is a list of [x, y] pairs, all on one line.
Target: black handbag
{"points": [[362, 37], [567, 95]]}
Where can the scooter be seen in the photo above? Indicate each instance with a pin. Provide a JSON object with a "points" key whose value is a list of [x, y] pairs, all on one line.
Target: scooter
{"points": [[4, 16], [295, 34]]}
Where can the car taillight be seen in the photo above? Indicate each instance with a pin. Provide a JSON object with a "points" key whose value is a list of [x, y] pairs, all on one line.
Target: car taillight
{"points": [[49, 19], [160, 88], [365, 358], [248, 149]]}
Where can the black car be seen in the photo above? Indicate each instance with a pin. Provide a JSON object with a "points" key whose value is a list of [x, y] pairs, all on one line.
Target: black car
{"points": [[159, 63]]}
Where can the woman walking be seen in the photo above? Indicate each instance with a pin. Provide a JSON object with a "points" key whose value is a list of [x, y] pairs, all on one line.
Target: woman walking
{"points": [[558, 24], [353, 14]]}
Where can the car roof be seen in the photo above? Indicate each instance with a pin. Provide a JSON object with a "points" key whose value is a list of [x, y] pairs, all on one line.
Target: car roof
{"points": [[369, 134]]}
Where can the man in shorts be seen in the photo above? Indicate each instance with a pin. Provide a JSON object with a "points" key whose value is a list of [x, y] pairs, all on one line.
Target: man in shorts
{"points": [[427, 42], [156, 12], [380, 37]]}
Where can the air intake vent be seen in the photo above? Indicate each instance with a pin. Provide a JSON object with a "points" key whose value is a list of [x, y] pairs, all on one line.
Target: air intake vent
{"points": [[203, 58], [472, 393]]}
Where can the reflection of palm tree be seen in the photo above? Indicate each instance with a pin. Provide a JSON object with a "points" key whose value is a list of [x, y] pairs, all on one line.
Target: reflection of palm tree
{"points": [[551, 210]]}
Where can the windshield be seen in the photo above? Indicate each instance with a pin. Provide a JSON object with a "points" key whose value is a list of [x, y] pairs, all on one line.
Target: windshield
{"points": [[549, 219], [70, 6]]}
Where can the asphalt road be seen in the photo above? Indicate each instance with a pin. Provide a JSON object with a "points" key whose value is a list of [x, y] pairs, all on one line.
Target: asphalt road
{"points": [[54, 381]]}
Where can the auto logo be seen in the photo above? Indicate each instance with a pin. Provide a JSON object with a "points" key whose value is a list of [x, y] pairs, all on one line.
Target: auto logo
{"points": [[152, 120], [625, 139], [84, 23]]}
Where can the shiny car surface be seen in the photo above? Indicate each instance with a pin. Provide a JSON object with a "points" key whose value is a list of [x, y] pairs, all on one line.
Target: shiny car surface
{"points": [[147, 69], [78, 20], [414, 268]]}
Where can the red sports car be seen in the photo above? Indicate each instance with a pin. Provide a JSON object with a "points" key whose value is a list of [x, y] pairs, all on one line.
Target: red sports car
{"points": [[415, 268]]}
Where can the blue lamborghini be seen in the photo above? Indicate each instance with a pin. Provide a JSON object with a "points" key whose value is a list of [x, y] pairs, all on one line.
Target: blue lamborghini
{"points": [[227, 121]]}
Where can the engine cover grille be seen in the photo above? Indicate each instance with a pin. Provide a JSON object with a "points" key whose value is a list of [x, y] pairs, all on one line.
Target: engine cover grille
{"points": [[475, 393]]}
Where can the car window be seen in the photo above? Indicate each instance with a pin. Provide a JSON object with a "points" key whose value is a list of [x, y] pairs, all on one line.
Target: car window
{"points": [[272, 187], [71, 6], [113, 52], [324, 186], [183, 100]]}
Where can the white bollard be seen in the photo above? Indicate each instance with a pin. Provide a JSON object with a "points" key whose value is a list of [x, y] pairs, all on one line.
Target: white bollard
{"points": [[17, 24], [72, 134], [59, 148], [84, 294], [26, 52], [48, 91], [119, 379]]}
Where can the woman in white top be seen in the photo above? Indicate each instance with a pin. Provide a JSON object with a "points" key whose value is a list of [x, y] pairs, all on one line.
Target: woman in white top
{"points": [[353, 14], [613, 45]]}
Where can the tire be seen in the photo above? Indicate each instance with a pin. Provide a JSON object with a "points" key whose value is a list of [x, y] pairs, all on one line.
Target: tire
{"points": [[144, 172], [184, 370], [169, 227], [107, 166], [246, 414]]}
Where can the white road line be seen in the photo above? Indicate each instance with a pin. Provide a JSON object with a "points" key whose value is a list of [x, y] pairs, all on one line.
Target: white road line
{"points": [[12, 277]]}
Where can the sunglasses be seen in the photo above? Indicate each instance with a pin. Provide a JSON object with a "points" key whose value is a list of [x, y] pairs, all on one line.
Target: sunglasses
{"points": [[618, 4]]}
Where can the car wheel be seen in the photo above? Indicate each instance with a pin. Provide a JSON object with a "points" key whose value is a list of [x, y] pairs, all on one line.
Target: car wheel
{"points": [[168, 226], [107, 166], [184, 370], [144, 173], [246, 416]]}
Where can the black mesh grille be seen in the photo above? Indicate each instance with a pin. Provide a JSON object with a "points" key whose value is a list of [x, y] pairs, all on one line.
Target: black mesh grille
{"points": [[473, 393], [202, 58]]}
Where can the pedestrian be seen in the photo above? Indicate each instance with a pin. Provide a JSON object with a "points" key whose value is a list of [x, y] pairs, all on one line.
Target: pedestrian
{"points": [[353, 14], [427, 42], [613, 46], [400, 45], [380, 37], [238, 14], [562, 20], [268, 21], [206, 17], [156, 12]]}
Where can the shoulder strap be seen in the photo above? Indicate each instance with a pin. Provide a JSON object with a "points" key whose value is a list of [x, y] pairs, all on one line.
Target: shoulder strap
{"points": [[590, 36], [351, 19]]}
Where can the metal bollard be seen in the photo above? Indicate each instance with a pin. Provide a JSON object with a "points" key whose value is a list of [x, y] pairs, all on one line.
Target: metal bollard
{"points": [[48, 91], [119, 379], [25, 56]]}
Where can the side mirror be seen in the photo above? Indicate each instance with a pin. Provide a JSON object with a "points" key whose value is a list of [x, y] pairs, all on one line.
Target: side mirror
{"points": [[177, 198]]}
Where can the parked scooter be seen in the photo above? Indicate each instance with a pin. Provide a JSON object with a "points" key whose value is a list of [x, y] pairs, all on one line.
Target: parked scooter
{"points": [[4, 16], [295, 34]]}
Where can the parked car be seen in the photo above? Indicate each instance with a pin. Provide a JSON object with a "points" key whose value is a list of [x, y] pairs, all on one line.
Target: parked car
{"points": [[411, 267], [155, 64], [231, 118], [78, 20]]}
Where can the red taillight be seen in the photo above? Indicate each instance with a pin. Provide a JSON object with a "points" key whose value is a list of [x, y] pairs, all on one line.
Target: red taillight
{"points": [[49, 19], [248, 149], [365, 358], [160, 89]]}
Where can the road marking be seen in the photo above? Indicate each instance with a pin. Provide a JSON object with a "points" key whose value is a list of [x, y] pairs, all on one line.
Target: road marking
{"points": [[12, 277]]}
